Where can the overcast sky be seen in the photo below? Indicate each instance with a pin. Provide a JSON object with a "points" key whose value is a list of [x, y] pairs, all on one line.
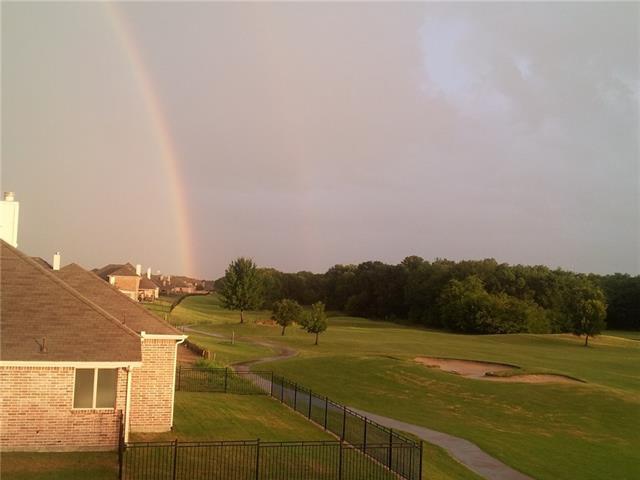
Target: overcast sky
{"points": [[313, 134]]}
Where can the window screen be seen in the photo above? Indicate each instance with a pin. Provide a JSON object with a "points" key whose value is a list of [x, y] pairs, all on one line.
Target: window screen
{"points": [[83, 390], [106, 392]]}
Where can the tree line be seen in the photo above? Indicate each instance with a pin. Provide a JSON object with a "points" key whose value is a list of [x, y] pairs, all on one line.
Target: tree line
{"points": [[471, 296]]}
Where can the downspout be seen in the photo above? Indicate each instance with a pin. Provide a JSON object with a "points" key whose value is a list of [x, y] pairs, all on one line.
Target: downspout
{"points": [[127, 405], [175, 365]]}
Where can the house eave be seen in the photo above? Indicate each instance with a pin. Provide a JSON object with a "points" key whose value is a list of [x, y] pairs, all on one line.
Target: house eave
{"points": [[68, 363], [159, 336]]}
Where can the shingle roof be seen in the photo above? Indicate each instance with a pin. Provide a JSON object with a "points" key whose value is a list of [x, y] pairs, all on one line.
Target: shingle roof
{"points": [[42, 262], [147, 284], [113, 301], [35, 304], [121, 270]]}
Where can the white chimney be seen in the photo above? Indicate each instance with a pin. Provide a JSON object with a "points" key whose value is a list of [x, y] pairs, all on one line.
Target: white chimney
{"points": [[9, 210], [138, 269], [149, 273], [56, 261]]}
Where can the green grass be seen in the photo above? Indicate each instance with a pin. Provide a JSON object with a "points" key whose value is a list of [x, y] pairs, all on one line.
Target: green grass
{"points": [[631, 335], [59, 466], [550, 431], [227, 353], [208, 309], [219, 416]]}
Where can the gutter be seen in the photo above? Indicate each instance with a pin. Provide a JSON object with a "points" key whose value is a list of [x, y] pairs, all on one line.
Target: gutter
{"points": [[159, 336], [127, 405]]}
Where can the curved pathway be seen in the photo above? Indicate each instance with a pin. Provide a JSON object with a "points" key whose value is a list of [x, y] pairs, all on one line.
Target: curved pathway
{"points": [[245, 366], [465, 452]]}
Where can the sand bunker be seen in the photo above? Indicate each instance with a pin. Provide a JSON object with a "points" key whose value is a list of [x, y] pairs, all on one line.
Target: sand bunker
{"points": [[488, 371]]}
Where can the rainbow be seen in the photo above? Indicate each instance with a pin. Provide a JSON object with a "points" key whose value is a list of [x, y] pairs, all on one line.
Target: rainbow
{"points": [[161, 131]]}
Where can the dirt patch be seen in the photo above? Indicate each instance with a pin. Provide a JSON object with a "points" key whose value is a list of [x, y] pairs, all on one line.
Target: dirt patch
{"points": [[489, 371]]}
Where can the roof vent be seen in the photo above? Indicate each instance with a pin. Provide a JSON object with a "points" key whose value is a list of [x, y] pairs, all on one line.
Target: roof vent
{"points": [[43, 346], [9, 196]]}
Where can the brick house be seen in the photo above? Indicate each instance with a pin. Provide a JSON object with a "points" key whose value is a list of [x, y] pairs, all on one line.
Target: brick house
{"points": [[125, 277], [148, 291], [78, 359]]}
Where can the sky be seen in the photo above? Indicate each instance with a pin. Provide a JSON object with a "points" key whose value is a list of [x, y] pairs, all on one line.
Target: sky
{"points": [[183, 135]]}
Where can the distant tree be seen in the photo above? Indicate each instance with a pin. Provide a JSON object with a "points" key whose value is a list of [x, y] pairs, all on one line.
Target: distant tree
{"points": [[241, 288], [589, 319], [285, 312], [585, 307], [315, 321]]}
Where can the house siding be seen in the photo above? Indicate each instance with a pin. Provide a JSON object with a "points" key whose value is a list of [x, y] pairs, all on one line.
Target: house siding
{"points": [[152, 389], [36, 412]]}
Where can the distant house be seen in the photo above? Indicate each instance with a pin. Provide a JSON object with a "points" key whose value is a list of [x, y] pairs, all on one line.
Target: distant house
{"points": [[78, 359], [124, 277], [148, 291], [177, 285], [182, 286]]}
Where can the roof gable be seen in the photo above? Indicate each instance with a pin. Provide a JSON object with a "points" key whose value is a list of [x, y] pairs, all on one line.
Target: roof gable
{"points": [[113, 301], [36, 305], [116, 269]]}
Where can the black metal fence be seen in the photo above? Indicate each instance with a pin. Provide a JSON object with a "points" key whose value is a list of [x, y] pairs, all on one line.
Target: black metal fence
{"points": [[226, 380], [254, 460], [381, 445]]}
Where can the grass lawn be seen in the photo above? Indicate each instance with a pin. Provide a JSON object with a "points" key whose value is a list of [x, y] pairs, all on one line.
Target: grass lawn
{"points": [[551, 431], [59, 466], [220, 416], [227, 353], [623, 334]]}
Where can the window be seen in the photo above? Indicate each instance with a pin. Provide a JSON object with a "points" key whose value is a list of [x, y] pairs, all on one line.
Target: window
{"points": [[95, 388]]}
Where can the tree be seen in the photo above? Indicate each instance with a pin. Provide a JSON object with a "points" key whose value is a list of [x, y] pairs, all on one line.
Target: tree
{"points": [[241, 288], [589, 320], [585, 307], [316, 320], [285, 312]]}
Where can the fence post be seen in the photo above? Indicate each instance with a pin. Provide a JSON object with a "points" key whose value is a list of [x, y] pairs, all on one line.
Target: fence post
{"points": [[310, 400], [420, 464], [282, 389], [364, 443], [179, 375], [326, 411], [344, 421], [175, 458], [271, 384], [257, 459], [341, 445], [390, 446], [226, 378]]}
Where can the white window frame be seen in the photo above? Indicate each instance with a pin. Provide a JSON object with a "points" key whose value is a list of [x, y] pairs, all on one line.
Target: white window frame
{"points": [[95, 390]]}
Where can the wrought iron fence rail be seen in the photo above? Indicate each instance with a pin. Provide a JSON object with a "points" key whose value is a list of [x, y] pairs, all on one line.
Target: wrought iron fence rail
{"points": [[380, 444], [254, 460]]}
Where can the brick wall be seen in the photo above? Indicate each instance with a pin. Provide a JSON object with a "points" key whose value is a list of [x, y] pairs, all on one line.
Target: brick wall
{"points": [[153, 386], [36, 412], [129, 284]]}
